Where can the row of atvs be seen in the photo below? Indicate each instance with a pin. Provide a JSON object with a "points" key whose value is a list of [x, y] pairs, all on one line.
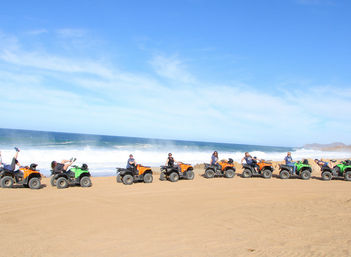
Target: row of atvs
{"points": [[30, 177]]}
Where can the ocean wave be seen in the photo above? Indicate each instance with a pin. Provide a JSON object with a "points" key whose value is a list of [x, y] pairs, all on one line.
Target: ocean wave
{"points": [[102, 161]]}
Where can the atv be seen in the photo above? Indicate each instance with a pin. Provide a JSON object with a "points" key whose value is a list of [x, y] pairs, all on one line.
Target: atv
{"points": [[340, 170], [176, 172], [134, 174], [264, 169], [74, 176], [25, 176], [303, 170], [225, 169]]}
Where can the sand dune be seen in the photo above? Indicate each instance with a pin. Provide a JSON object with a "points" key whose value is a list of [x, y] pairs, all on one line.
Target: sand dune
{"points": [[215, 217]]}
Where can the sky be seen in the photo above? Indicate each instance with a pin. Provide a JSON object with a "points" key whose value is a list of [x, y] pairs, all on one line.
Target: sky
{"points": [[253, 72]]}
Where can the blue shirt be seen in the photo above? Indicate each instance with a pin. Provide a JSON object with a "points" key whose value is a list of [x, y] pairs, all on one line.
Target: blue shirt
{"points": [[288, 160], [214, 159], [130, 160], [248, 160]]}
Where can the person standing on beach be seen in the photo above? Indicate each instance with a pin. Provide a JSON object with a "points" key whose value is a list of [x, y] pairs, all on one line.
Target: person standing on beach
{"points": [[289, 162], [214, 160]]}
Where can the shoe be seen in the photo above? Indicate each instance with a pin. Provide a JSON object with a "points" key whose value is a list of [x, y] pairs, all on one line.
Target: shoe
{"points": [[17, 150]]}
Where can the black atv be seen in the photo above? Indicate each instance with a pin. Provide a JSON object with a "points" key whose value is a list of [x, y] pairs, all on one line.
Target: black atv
{"points": [[74, 176], [176, 172], [134, 174]]}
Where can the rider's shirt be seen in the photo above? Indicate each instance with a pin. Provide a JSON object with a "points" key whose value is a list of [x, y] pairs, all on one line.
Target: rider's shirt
{"points": [[248, 160], [130, 160], [288, 160], [214, 159]]}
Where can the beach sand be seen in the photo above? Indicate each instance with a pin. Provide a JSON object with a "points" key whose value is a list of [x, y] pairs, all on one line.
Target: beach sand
{"points": [[203, 217]]}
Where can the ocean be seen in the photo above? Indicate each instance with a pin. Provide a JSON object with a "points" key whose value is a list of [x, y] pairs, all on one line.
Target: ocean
{"points": [[104, 153]]}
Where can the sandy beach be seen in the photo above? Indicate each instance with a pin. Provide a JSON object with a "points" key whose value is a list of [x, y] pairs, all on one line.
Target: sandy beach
{"points": [[203, 217]]}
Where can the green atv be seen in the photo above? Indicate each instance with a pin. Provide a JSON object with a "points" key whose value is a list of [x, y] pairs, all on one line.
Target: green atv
{"points": [[302, 169], [74, 176], [340, 170]]}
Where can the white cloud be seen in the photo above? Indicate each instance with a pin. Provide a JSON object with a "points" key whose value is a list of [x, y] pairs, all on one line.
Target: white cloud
{"points": [[36, 32], [71, 33], [46, 90], [171, 68]]}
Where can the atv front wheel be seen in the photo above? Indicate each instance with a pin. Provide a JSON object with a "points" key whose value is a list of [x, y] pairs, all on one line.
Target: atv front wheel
{"points": [[118, 179], [266, 173], [348, 176], [53, 181], [209, 173], [326, 175], [34, 183], [246, 173], [85, 182], [163, 176], [190, 175], [127, 179], [229, 173], [284, 174], [148, 178], [174, 177], [7, 182], [62, 183], [305, 174]]}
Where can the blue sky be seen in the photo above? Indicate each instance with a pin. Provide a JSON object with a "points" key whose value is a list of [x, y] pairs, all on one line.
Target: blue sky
{"points": [[256, 72]]}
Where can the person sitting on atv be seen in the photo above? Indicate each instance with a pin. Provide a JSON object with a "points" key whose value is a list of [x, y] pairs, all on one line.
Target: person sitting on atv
{"points": [[12, 166], [62, 166], [321, 163], [131, 163], [289, 162], [249, 160], [214, 160], [170, 161]]}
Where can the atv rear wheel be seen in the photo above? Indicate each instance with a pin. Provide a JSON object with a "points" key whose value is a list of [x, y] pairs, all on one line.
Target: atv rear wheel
{"points": [[174, 177], [62, 183], [348, 175], [85, 181], [305, 174], [34, 183], [118, 179], [148, 178], [284, 174], [209, 173], [246, 173], [266, 173], [229, 173], [326, 175], [7, 182], [53, 181], [128, 179], [163, 176], [190, 175]]}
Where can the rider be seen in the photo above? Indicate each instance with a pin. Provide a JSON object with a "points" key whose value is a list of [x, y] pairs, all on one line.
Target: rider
{"points": [[131, 163], [321, 163], [14, 162], [170, 161], [62, 166], [249, 160], [289, 162], [214, 160]]}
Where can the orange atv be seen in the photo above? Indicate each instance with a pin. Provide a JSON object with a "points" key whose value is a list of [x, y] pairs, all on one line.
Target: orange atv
{"points": [[263, 168], [134, 174], [174, 173], [225, 168], [26, 176]]}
